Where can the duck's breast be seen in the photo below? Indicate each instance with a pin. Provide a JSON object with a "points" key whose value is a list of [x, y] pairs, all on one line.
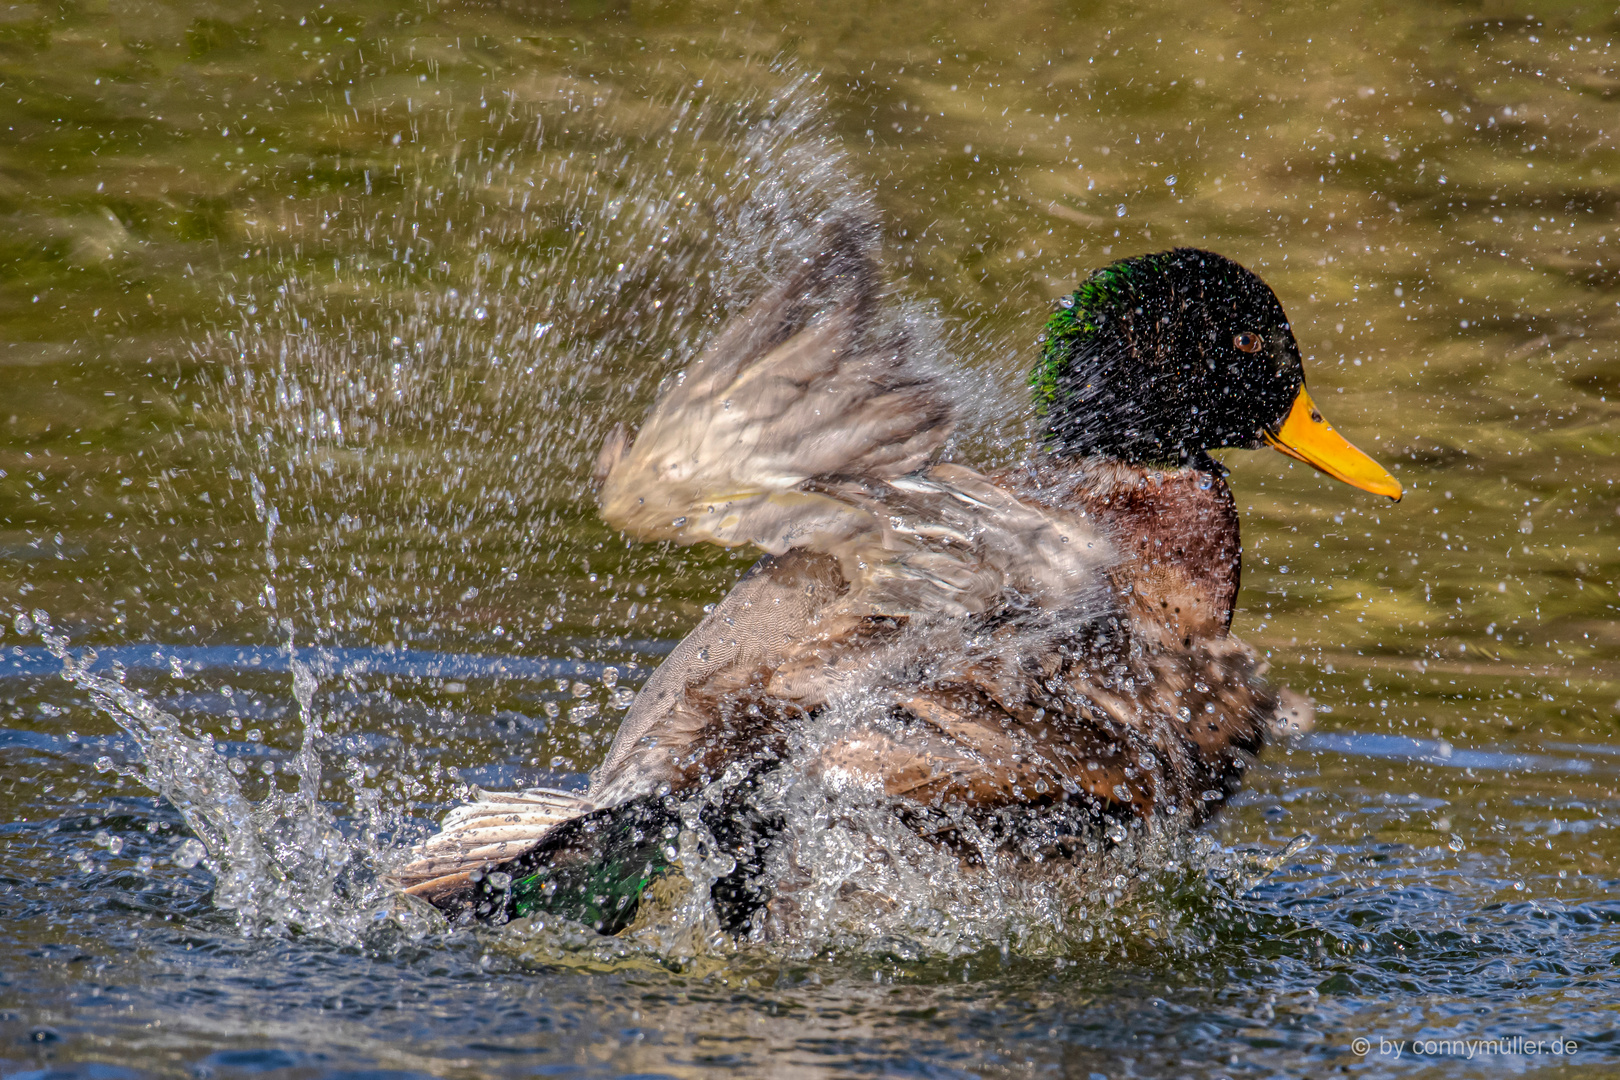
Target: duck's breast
{"points": [[1174, 531]]}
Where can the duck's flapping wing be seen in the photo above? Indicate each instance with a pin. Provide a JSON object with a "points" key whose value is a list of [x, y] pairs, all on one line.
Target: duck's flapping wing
{"points": [[810, 423], [803, 384]]}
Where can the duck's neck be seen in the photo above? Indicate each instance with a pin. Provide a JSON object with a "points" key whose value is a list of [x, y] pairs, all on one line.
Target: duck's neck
{"points": [[1174, 528]]}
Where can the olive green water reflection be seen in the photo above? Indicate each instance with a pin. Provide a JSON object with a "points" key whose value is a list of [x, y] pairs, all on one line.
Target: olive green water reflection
{"points": [[194, 192]]}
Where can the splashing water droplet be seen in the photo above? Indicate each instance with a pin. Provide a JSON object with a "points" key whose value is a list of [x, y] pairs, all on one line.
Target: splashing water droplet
{"points": [[188, 854]]}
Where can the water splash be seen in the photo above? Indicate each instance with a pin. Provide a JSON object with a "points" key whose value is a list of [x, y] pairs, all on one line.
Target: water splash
{"points": [[278, 863], [446, 377]]}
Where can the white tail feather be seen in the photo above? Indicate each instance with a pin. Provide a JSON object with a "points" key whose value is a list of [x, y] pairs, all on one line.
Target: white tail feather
{"points": [[496, 827]]}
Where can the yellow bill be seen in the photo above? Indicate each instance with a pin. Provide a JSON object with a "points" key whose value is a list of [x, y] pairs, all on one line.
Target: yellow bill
{"points": [[1311, 439]]}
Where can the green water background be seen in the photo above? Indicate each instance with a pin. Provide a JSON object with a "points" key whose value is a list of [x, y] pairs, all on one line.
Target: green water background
{"points": [[1429, 188]]}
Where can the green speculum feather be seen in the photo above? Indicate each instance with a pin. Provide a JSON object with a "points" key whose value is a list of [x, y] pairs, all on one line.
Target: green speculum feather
{"points": [[598, 874], [597, 869], [603, 897]]}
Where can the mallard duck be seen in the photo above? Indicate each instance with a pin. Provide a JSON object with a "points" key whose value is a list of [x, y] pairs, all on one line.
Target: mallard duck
{"points": [[1043, 651]]}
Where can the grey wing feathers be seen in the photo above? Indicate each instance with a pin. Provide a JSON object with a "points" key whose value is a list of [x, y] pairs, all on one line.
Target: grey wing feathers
{"points": [[775, 610], [802, 385], [963, 546], [495, 827], [803, 426]]}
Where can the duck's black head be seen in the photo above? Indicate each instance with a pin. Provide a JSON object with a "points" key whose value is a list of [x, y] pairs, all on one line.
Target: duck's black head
{"points": [[1160, 358]]}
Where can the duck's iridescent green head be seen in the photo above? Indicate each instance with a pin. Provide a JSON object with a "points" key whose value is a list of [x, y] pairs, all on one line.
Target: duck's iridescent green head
{"points": [[1159, 358]]}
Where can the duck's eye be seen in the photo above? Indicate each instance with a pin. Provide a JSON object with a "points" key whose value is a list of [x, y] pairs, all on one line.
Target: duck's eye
{"points": [[1248, 341]]}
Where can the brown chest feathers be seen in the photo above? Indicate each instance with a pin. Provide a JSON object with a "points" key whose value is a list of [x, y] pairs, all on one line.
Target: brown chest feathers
{"points": [[1175, 532]]}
